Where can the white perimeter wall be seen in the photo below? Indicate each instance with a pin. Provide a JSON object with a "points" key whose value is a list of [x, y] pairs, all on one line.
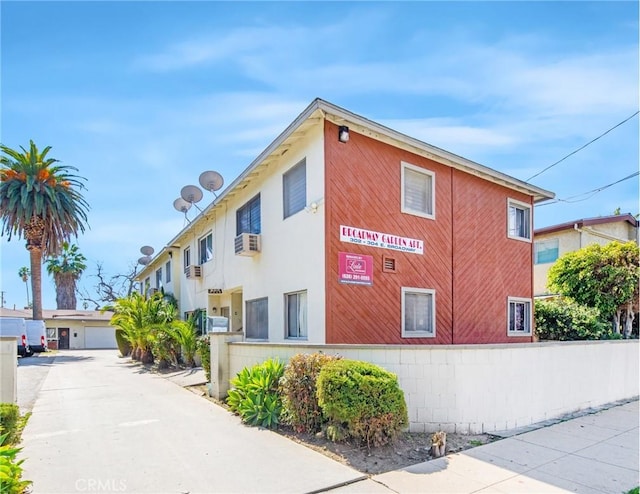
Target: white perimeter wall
{"points": [[486, 388]]}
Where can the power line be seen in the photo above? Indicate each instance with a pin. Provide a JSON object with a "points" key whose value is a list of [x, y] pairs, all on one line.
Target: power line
{"points": [[590, 193], [581, 148]]}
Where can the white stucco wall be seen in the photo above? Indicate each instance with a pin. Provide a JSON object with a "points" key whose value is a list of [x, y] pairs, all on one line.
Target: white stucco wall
{"points": [[292, 253], [486, 388]]}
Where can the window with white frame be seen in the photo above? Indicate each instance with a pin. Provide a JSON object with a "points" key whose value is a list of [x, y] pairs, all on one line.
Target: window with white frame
{"points": [[519, 218], [187, 257], [545, 251], [519, 316], [167, 272], [205, 248], [296, 314], [158, 278], [418, 313], [417, 191], [257, 319], [294, 189]]}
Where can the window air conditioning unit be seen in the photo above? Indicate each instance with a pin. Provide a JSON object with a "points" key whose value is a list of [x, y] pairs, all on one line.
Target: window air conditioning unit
{"points": [[247, 244], [193, 271]]}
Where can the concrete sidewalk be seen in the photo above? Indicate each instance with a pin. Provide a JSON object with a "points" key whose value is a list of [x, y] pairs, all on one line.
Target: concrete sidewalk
{"points": [[592, 454]]}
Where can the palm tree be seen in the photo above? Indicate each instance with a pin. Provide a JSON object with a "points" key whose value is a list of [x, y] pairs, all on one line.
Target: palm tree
{"points": [[139, 319], [24, 273], [40, 200], [66, 269]]}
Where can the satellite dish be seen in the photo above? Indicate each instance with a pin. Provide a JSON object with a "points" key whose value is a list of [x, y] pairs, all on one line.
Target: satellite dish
{"points": [[182, 205], [147, 250], [211, 181], [191, 193], [144, 260]]}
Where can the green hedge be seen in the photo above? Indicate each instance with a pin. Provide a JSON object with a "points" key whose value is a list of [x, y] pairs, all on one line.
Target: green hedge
{"points": [[560, 319], [362, 401], [300, 408], [9, 422]]}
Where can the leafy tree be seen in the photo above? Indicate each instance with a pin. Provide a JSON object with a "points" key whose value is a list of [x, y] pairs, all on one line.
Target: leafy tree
{"points": [[24, 273], [605, 277], [40, 200], [66, 269]]}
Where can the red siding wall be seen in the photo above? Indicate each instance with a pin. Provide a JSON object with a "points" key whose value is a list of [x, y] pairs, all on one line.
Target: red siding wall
{"points": [[488, 267], [362, 190]]}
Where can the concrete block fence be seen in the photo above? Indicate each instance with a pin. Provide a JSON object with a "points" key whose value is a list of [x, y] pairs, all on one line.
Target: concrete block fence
{"points": [[471, 389]]}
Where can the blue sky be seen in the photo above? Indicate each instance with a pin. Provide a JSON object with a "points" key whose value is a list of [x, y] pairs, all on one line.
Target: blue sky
{"points": [[143, 96]]}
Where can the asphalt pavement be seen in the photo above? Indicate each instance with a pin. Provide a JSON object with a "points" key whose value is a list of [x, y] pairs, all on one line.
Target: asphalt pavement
{"points": [[103, 424]]}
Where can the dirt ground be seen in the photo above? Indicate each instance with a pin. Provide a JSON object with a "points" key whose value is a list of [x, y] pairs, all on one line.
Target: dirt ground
{"points": [[408, 449]]}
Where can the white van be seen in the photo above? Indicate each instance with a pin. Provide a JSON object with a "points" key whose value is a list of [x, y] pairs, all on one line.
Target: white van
{"points": [[36, 336], [16, 326]]}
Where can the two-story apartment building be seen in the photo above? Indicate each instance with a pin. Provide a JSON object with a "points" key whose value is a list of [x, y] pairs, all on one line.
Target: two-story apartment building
{"points": [[345, 231], [554, 241]]}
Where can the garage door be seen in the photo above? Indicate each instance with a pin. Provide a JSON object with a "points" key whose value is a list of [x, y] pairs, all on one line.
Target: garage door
{"points": [[104, 337]]}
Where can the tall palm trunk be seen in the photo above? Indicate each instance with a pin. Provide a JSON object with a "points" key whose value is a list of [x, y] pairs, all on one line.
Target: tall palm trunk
{"points": [[33, 234], [65, 291]]}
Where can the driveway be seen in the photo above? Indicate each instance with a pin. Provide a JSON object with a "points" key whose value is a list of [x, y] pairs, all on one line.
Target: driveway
{"points": [[103, 424]]}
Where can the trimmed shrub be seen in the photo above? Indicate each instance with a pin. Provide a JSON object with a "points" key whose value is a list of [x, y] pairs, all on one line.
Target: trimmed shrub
{"points": [[300, 408], [204, 349], [123, 345], [560, 319], [362, 399], [9, 422], [254, 395]]}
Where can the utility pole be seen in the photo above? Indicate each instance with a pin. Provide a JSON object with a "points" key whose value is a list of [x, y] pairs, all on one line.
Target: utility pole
{"points": [[2, 298]]}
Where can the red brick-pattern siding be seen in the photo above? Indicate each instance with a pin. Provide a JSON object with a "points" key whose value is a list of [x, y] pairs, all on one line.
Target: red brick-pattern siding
{"points": [[362, 189]]}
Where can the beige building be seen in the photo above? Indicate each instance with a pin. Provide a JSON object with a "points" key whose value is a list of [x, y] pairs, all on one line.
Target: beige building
{"points": [[554, 241], [73, 329]]}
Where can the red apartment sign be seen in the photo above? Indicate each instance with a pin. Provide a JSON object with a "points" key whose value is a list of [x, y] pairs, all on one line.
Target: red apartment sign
{"points": [[355, 268], [381, 240]]}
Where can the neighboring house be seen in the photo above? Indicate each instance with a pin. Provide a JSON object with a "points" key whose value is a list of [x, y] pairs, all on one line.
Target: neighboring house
{"points": [[554, 241], [73, 329], [346, 231]]}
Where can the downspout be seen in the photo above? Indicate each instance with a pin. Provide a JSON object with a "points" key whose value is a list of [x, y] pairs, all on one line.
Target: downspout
{"points": [[579, 230]]}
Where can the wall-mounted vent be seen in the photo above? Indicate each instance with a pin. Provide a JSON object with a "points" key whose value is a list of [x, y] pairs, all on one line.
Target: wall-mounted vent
{"points": [[388, 264], [193, 271], [247, 244]]}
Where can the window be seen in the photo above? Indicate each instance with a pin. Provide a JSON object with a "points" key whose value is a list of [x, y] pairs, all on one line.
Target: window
{"points": [[418, 186], [199, 317], [158, 278], [519, 220], [418, 313], [147, 287], [167, 272], [187, 257], [294, 189], [257, 315], [248, 217], [296, 314], [519, 316], [205, 248], [545, 251]]}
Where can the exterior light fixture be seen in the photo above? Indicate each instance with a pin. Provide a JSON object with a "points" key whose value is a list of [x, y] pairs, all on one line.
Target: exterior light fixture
{"points": [[343, 133]]}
